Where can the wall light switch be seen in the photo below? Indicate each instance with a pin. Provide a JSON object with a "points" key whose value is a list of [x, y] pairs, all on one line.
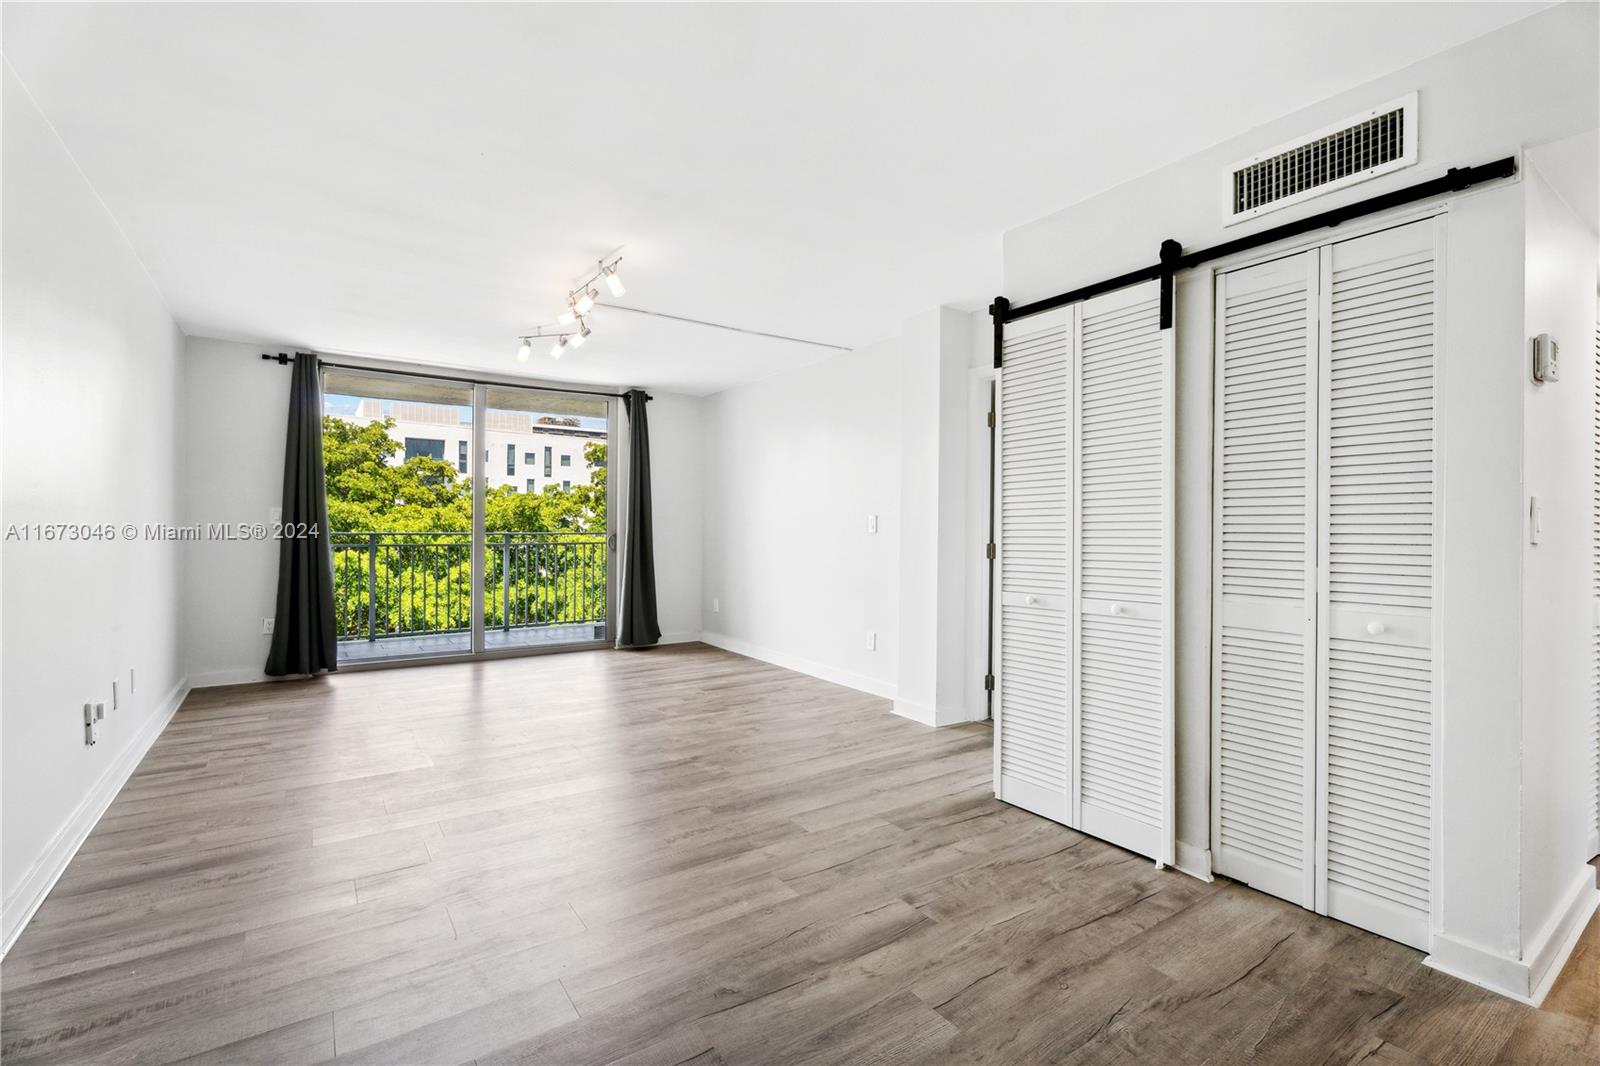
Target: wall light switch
{"points": [[99, 711], [872, 641], [1535, 520], [267, 625], [113, 694], [716, 605], [131, 688], [274, 516], [872, 523]]}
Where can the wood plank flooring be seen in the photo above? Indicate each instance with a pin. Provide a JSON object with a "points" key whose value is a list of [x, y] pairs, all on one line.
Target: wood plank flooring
{"points": [[672, 857]]}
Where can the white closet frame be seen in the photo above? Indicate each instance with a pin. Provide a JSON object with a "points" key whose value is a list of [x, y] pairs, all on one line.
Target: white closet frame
{"points": [[1438, 213]]}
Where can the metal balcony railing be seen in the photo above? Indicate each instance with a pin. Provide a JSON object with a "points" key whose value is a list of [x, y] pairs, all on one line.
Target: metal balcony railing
{"points": [[410, 584]]}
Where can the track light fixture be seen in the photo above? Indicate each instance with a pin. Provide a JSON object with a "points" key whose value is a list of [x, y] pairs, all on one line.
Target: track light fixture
{"points": [[580, 301], [614, 280]]}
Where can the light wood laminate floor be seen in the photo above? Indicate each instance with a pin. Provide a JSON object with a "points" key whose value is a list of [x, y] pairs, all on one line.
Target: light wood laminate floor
{"points": [[680, 856]]}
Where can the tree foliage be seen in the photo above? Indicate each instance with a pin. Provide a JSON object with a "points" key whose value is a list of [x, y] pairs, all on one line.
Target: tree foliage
{"points": [[413, 584]]}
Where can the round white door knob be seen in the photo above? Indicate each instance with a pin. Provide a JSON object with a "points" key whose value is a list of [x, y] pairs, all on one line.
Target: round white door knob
{"points": [[1031, 600], [1116, 608], [1375, 629]]}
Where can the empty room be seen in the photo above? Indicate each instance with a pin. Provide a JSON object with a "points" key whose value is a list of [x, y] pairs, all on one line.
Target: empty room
{"points": [[777, 533]]}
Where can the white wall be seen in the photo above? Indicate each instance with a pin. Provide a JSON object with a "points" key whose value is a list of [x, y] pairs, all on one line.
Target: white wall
{"points": [[794, 465], [236, 409], [91, 384], [1558, 612], [677, 477], [236, 412]]}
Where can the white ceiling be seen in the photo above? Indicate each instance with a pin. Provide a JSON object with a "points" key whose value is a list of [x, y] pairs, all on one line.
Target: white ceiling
{"points": [[424, 182]]}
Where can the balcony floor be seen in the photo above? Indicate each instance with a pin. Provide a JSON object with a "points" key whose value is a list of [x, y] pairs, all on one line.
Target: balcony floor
{"points": [[428, 644]]}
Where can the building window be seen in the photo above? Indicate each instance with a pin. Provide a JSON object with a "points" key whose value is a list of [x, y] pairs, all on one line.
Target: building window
{"points": [[566, 460], [530, 484], [423, 446], [511, 459], [547, 461], [461, 457], [529, 458], [566, 484]]}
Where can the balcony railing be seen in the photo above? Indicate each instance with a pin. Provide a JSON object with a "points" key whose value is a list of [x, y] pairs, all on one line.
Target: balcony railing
{"points": [[410, 584]]}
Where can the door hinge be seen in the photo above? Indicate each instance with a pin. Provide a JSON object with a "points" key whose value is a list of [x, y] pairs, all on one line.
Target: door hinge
{"points": [[988, 682], [990, 419], [988, 551]]}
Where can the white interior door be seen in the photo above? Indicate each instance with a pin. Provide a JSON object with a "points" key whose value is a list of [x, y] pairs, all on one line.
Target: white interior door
{"points": [[1375, 633], [1033, 741], [1263, 678], [1123, 568]]}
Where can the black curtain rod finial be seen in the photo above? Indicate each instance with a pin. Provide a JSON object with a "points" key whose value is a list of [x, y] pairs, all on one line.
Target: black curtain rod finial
{"points": [[282, 358]]}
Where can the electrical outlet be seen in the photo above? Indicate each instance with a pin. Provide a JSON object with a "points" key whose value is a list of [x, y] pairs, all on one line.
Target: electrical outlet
{"points": [[91, 726], [267, 625], [113, 694], [716, 605], [872, 641]]}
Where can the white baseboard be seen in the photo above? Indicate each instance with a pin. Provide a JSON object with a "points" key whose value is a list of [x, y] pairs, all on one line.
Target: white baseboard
{"points": [[1194, 861], [932, 716], [679, 638], [214, 678], [47, 869], [800, 665], [1549, 951], [1527, 979]]}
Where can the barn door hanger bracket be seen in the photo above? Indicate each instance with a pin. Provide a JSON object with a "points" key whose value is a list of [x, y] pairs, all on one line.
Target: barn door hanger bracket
{"points": [[1171, 255]]}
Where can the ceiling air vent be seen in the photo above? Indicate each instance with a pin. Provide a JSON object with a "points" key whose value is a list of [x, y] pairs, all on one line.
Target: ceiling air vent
{"points": [[1362, 147]]}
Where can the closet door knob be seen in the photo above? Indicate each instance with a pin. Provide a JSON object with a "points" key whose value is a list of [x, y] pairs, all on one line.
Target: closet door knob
{"points": [[1375, 629], [1030, 599], [1116, 608]]}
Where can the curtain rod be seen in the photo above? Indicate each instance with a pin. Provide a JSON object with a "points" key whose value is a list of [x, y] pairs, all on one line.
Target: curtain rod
{"points": [[1174, 259], [282, 359]]}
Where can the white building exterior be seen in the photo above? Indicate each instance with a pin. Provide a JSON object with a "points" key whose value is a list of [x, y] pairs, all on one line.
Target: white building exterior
{"points": [[527, 452]]}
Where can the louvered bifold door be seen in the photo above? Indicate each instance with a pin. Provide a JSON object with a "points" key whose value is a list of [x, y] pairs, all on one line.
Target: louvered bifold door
{"points": [[1033, 742], [1122, 630], [1263, 676], [1594, 544], [1375, 631]]}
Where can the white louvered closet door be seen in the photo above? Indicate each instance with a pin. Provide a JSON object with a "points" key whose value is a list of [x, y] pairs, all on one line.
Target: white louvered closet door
{"points": [[1594, 535], [1033, 742], [1375, 631], [1122, 625], [1263, 677]]}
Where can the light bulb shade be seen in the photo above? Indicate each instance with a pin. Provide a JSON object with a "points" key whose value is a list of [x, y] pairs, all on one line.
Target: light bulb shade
{"points": [[525, 351], [557, 347], [567, 317], [585, 302], [614, 282], [577, 339]]}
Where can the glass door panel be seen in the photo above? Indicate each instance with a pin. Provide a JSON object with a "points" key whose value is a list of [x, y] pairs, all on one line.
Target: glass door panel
{"points": [[397, 456], [546, 550]]}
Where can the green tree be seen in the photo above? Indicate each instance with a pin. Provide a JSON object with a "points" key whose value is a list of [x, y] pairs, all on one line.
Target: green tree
{"points": [[423, 583]]}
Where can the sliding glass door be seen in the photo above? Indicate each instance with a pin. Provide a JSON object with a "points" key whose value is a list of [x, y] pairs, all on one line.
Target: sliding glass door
{"points": [[466, 519], [547, 553]]}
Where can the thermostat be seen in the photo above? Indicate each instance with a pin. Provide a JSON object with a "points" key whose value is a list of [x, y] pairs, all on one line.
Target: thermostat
{"points": [[1546, 359]]}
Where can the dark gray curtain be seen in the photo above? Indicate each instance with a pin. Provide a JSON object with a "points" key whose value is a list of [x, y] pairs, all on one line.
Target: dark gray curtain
{"points": [[639, 627], [303, 638]]}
